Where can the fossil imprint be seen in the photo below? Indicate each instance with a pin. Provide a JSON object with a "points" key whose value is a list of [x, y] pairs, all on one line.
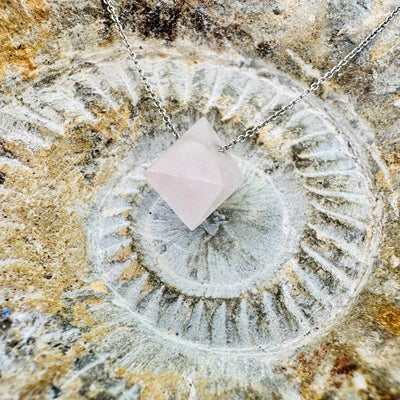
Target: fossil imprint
{"points": [[274, 267], [279, 260]]}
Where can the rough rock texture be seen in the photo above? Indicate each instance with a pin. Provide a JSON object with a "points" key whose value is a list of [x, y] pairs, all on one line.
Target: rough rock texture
{"points": [[290, 290]]}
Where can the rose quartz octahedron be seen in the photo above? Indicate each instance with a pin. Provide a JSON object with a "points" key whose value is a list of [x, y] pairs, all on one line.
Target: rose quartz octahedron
{"points": [[193, 177]]}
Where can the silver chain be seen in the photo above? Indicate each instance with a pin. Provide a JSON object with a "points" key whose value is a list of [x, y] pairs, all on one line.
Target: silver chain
{"points": [[139, 70], [251, 131], [314, 86]]}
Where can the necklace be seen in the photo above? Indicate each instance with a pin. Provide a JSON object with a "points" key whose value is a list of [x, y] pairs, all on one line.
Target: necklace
{"points": [[197, 174]]}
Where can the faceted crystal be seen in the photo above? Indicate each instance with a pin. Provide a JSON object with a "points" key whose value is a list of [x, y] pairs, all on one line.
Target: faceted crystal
{"points": [[193, 177]]}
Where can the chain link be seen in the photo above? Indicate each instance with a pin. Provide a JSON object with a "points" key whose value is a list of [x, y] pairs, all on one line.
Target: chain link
{"points": [[251, 131], [139, 70]]}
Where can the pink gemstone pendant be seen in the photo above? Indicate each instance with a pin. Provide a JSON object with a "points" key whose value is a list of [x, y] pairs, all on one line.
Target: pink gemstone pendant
{"points": [[193, 177]]}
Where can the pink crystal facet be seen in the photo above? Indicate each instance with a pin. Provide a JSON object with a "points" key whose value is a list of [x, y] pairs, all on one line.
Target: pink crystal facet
{"points": [[193, 177]]}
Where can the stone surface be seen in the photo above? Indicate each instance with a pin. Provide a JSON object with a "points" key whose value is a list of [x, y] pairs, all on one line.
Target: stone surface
{"points": [[193, 177], [290, 289]]}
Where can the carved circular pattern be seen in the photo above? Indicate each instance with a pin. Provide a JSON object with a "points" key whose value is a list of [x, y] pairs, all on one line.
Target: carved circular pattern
{"points": [[280, 259]]}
